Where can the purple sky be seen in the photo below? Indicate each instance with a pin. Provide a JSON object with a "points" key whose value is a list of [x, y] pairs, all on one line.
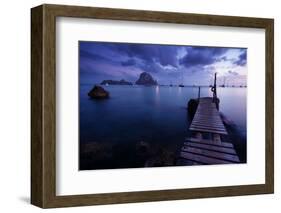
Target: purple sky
{"points": [[166, 63]]}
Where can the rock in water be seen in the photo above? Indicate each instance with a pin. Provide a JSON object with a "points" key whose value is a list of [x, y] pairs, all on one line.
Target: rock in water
{"points": [[98, 93], [146, 79]]}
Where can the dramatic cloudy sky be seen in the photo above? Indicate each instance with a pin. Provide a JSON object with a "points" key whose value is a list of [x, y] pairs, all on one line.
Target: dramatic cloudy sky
{"points": [[166, 63]]}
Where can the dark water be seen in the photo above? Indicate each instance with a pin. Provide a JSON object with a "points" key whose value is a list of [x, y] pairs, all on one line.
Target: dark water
{"points": [[137, 117]]}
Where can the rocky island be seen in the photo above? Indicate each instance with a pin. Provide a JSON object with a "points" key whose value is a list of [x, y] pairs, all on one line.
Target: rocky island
{"points": [[146, 79], [114, 82], [98, 93]]}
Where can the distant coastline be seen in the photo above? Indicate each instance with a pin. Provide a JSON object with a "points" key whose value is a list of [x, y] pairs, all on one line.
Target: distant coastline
{"points": [[114, 82], [147, 79], [167, 85]]}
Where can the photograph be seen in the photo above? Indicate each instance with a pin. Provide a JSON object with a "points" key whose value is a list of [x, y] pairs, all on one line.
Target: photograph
{"points": [[159, 105], [140, 105]]}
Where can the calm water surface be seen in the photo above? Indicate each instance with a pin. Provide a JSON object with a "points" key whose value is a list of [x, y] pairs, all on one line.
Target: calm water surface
{"points": [[151, 114]]}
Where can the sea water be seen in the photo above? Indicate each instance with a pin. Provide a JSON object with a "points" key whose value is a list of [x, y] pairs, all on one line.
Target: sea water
{"points": [[155, 115]]}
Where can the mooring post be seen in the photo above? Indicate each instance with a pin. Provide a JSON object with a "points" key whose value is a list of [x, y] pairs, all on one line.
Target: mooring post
{"points": [[214, 90], [199, 92]]}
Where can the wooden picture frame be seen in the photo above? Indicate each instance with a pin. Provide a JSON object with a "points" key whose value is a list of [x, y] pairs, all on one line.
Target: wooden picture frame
{"points": [[43, 105]]}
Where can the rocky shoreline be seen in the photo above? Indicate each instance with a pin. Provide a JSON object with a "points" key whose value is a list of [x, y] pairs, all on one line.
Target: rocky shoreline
{"points": [[94, 155]]}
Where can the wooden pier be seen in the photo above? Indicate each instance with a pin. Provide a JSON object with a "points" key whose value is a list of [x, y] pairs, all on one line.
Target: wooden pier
{"points": [[207, 121]]}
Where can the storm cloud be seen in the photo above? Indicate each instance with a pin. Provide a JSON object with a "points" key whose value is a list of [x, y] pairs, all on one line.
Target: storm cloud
{"points": [[149, 53], [201, 56]]}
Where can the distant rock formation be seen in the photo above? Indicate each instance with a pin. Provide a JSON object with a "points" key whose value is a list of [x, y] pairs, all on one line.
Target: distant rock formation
{"points": [[98, 93], [114, 82], [146, 79]]}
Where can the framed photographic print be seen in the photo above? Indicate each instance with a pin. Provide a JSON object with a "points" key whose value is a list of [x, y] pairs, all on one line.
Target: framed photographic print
{"points": [[136, 106]]}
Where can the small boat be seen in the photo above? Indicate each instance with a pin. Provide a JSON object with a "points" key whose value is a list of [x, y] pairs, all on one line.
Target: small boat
{"points": [[181, 84], [171, 84]]}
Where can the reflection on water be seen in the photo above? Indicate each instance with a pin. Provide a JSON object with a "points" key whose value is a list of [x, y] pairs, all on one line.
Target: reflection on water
{"points": [[233, 104], [157, 91], [179, 90], [155, 115]]}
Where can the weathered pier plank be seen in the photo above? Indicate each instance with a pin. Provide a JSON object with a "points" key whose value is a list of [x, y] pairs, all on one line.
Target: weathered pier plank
{"points": [[200, 159], [203, 151], [213, 154], [207, 118], [207, 130], [209, 142], [214, 147]]}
